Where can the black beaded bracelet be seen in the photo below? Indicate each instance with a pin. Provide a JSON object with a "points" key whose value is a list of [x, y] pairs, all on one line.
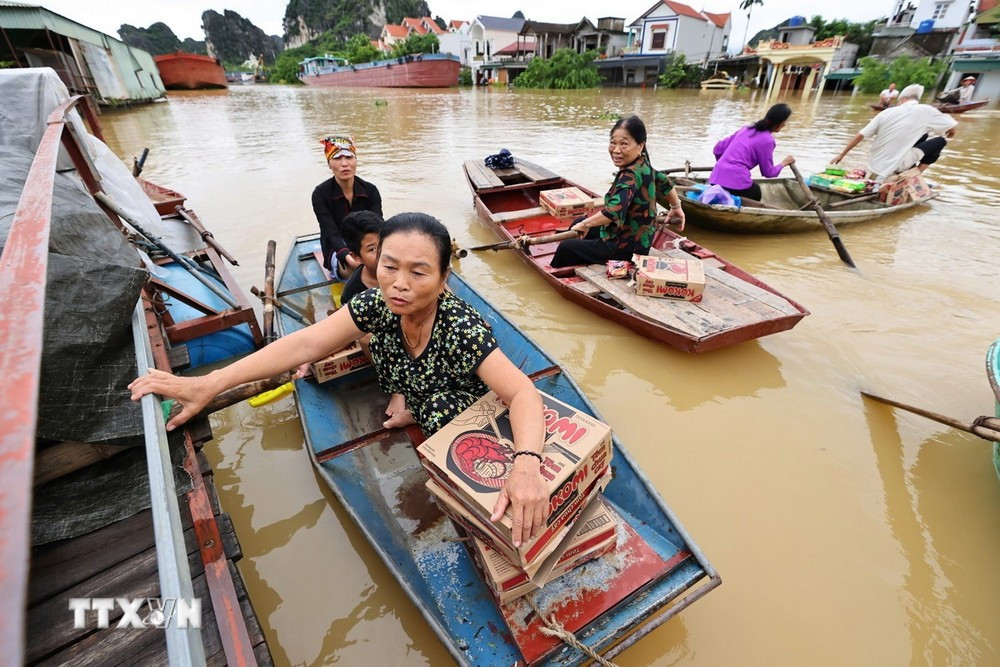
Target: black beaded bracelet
{"points": [[525, 451]]}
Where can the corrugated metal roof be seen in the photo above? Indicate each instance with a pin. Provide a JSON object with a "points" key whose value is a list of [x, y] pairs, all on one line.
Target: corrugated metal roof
{"points": [[136, 68]]}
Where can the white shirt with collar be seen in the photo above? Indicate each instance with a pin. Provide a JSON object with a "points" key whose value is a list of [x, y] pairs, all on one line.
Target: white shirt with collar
{"points": [[895, 130]]}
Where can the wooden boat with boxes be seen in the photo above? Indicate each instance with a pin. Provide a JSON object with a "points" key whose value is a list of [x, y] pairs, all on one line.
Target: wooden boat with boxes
{"points": [[735, 306], [781, 209], [655, 571]]}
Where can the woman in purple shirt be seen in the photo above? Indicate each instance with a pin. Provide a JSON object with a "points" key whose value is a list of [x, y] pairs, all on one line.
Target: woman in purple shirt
{"points": [[751, 146]]}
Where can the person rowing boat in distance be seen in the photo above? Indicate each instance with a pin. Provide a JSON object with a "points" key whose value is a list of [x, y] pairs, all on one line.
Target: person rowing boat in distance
{"points": [[427, 344], [961, 95], [749, 147], [889, 96], [627, 223]]}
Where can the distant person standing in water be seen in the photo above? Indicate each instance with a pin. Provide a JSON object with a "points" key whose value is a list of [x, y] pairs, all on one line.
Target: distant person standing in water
{"points": [[333, 199], [749, 147]]}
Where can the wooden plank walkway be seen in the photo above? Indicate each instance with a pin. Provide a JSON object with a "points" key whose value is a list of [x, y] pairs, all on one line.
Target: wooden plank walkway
{"points": [[119, 560]]}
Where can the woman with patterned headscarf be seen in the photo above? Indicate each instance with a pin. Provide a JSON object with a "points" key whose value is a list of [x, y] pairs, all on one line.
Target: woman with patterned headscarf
{"points": [[627, 223], [332, 200]]}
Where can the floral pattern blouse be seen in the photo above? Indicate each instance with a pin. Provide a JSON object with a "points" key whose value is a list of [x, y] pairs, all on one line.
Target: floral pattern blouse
{"points": [[459, 342]]}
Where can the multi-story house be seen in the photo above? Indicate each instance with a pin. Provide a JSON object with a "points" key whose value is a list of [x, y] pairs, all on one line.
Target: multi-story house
{"points": [[673, 27], [487, 36], [977, 52]]}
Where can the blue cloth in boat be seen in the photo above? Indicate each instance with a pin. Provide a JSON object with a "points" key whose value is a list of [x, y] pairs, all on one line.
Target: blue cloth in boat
{"points": [[441, 381]]}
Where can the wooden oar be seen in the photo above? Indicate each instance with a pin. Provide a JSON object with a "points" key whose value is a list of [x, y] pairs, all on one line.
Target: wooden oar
{"points": [[987, 428], [831, 231], [521, 242], [674, 170], [269, 335]]}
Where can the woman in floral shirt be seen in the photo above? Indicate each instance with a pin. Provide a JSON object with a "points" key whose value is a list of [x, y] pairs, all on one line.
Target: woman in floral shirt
{"points": [[626, 224], [427, 344]]}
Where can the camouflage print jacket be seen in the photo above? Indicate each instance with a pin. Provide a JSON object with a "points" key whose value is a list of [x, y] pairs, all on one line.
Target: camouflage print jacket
{"points": [[631, 204]]}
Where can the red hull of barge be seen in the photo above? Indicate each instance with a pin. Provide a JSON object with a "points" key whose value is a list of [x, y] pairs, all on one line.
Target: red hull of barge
{"points": [[189, 71], [414, 74]]}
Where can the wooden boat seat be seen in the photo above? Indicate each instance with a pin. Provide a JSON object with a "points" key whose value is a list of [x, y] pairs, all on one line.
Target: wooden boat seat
{"points": [[519, 215], [481, 175]]}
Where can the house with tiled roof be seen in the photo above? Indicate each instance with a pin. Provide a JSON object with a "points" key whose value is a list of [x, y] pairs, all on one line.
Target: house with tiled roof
{"points": [[414, 25], [673, 27], [455, 26], [430, 26], [392, 33]]}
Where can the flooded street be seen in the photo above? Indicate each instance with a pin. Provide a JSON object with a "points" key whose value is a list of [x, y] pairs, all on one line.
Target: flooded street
{"points": [[845, 533]]}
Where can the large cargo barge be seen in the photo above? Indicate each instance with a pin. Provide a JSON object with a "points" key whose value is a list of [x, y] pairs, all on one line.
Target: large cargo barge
{"points": [[427, 70], [190, 71]]}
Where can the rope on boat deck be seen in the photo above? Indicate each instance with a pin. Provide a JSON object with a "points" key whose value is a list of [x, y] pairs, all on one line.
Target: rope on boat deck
{"points": [[554, 628]]}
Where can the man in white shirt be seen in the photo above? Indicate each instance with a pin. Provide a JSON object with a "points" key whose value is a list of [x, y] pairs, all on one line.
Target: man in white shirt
{"points": [[902, 136], [962, 94], [889, 95]]}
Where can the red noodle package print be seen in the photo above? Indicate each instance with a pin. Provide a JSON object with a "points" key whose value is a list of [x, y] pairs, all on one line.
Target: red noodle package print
{"points": [[473, 455]]}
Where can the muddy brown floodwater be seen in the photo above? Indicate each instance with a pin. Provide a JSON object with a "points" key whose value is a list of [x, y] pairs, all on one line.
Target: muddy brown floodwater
{"points": [[845, 533]]}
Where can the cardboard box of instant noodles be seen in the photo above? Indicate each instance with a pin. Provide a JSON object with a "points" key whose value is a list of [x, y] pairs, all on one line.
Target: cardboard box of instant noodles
{"points": [[351, 358], [593, 535], [567, 202], [682, 279], [473, 455]]}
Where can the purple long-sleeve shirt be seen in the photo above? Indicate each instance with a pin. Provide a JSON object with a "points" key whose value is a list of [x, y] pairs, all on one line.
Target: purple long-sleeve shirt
{"points": [[740, 152]]}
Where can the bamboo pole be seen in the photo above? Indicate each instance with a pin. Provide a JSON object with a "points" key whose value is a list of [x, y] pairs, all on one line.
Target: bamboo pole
{"points": [[987, 428]]}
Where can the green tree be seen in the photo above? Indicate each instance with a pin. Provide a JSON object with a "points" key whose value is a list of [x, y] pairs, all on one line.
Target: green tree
{"points": [[565, 69], [286, 67], [876, 76], [679, 73], [359, 49], [416, 44]]}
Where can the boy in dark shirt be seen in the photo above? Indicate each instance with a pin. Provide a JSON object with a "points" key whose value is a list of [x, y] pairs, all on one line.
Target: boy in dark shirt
{"points": [[361, 229]]}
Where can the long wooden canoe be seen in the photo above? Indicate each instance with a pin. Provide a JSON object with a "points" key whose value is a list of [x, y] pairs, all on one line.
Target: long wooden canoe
{"points": [[736, 307], [993, 372], [782, 211], [942, 107], [375, 473]]}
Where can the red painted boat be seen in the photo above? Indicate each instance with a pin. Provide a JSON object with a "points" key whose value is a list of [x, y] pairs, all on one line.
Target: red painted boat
{"points": [[735, 306], [190, 71], [164, 199], [427, 70]]}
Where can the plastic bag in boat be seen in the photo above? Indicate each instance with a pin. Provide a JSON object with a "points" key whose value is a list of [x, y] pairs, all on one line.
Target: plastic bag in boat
{"points": [[502, 160]]}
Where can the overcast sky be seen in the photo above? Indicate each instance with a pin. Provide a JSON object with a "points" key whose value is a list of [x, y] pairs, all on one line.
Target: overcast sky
{"points": [[184, 16]]}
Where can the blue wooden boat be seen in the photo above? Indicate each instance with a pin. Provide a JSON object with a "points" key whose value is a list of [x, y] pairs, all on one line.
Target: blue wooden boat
{"points": [[993, 372], [375, 473]]}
